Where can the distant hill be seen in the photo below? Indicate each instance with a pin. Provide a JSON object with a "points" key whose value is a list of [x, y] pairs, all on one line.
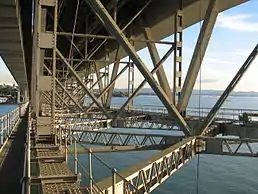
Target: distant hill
{"points": [[149, 91]]}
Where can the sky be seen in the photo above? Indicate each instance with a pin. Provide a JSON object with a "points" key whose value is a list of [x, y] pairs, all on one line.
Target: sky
{"points": [[234, 36]]}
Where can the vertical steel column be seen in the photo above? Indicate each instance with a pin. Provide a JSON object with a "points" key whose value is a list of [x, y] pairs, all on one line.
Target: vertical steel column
{"points": [[107, 88], [106, 75], [60, 137], [178, 38], [75, 157], [42, 51], [91, 86], [198, 55], [37, 57], [130, 83], [111, 26], [90, 172], [66, 155], [53, 106], [114, 180], [156, 68]]}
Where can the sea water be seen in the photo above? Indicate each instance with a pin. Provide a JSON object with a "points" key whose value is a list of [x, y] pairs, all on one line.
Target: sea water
{"points": [[217, 174]]}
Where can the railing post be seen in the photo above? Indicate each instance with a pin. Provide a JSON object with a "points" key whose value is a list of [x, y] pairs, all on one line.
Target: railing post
{"points": [[114, 180], [60, 137], [8, 124], [90, 171], [20, 112], [2, 132], [66, 158], [75, 158], [28, 155]]}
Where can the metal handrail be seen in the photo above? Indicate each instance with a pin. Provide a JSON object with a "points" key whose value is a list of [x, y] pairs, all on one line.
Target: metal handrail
{"points": [[26, 165], [225, 113]]}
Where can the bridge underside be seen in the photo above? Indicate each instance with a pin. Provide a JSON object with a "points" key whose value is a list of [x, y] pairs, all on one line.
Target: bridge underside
{"points": [[12, 42], [68, 59]]}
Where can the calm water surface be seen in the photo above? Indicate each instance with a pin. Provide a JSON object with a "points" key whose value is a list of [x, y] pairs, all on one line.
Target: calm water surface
{"points": [[217, 174]]}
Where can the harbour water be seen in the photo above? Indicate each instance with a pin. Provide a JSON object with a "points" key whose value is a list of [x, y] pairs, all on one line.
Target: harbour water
{"points": [[217, 174]]}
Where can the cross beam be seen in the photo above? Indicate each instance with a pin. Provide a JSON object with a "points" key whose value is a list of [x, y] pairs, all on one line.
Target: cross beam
{"points": [[231, 86], [112, 27], [199, 52]]}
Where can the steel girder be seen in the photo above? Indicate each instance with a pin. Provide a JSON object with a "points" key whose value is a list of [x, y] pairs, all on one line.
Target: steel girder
{"points": [[110, 138], [136, 92], [89, 93], [147, 175], [112, 27], [107, 87], [163, 81], [61, 85], [199, 52], [230, 87]]}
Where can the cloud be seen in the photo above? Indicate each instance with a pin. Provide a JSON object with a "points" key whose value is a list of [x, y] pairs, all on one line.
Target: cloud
{"points": [[216, 61], [240, 22], [207, 80]]}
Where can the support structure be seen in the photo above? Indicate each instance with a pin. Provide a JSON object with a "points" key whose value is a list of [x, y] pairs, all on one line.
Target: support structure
{"points": [[228, 90], [75, 44], [114, 29], [163, 81], [198, 55], [178, 39]]}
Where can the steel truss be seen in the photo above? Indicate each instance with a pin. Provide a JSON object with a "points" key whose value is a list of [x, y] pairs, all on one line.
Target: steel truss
{"points": [[63, 90], [143, 122], [83, 124], [148, 175], [109, 138]]}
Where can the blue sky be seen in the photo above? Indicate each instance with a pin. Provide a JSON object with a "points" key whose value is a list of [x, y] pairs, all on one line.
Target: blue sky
{"points": [[234, 37]]}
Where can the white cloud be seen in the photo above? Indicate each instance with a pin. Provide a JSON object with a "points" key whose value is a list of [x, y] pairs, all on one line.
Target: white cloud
{"points": [[216, 61], [240, 22]]}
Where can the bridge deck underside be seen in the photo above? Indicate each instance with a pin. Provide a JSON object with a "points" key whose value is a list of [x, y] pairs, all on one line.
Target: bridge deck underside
{"points": [[11, 41], [161, 23]]}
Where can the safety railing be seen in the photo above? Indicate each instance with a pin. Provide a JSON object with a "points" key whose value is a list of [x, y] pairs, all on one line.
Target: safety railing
{"points": [[223, 113], [8, 122], [26, 164]]}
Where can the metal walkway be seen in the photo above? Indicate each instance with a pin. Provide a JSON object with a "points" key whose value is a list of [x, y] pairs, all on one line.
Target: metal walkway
{"points": [[51, 172], [12, 159]]}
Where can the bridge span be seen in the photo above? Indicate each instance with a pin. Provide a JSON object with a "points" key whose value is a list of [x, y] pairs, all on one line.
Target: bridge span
{"points": [[66, 56]]}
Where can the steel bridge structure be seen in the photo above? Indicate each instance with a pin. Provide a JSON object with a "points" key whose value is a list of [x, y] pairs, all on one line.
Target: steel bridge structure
{"points": [[62, 52]]}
